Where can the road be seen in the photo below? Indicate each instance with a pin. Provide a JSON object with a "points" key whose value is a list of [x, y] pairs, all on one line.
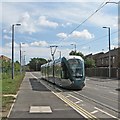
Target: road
{"points": [[40, 99]]}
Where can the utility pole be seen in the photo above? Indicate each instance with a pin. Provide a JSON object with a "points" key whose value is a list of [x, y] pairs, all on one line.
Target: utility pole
{"points": [[60, 54], [52, 54]]}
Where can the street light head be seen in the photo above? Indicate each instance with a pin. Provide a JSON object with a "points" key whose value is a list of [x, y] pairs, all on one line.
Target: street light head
{"points": [[18, 24], [107, 27], [112, 2]]}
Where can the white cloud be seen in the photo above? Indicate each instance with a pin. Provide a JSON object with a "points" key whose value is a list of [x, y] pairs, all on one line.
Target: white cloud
{"points": [[83, 34], [4, 31], [46, 23], [27, 25], [62, 35], [39, 43], [66, 24], [114, 46], [6, 37], [10, 44], [25, 45]]}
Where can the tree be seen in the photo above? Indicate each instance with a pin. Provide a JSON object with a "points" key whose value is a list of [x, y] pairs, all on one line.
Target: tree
{"points": [[35, 63], [76, 53], [89, 62], [17, 66]]}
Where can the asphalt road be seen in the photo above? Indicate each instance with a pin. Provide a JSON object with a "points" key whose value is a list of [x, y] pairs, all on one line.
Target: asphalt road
{"points": [[98, 99]]}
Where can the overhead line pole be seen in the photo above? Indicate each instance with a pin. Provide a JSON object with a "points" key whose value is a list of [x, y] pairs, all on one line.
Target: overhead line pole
{"points": [[52, 53]]}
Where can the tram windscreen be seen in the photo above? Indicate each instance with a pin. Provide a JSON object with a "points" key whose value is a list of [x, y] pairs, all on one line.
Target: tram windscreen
{"points": [[76, 66]]}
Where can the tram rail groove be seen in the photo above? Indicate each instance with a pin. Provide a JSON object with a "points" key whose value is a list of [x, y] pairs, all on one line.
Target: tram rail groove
{"points": [[93, 100]]}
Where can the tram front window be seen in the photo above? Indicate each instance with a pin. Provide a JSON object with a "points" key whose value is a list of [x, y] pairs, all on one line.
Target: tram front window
{"points": [[76, 67]]}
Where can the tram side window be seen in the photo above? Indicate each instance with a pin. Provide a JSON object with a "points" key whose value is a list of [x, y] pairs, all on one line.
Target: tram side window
{"points": [[64, 71]]}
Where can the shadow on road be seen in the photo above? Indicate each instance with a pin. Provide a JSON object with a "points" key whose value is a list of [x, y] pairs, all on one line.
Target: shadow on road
{"points": [[37, 86]]}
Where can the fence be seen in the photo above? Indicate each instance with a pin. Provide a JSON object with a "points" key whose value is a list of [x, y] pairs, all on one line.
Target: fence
{"points": [[103, 72]]}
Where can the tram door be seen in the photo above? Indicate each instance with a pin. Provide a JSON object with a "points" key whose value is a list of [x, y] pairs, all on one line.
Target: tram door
{"points": [[64, 71]]}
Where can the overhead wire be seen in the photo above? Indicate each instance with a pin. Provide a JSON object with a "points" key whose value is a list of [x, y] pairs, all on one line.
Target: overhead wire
{"points": [[100, 7], [99, 38]]}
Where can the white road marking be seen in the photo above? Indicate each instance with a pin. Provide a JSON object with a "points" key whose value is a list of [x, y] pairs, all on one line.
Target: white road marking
{"points": [[105, 112], [34, 76], [78, 102], [95, 111], [114, 93], [75, 98]]}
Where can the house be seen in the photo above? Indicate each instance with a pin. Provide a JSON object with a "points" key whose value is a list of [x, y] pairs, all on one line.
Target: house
{"points": [[2, 57], [102, 59]]}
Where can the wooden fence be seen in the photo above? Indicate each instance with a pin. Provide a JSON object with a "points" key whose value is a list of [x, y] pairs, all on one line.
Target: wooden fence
{"points": [[103, 72]]}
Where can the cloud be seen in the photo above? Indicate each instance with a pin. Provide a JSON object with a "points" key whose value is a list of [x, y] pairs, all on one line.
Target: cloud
{"points": [[27, 25], [85, 34], [6, 37], [66, 24], [62, 35], [46, 23], [114, 46], [10, 44], [39, 43]]}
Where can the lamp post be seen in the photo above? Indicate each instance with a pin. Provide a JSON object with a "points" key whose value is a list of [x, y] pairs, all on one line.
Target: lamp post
{"points": [[13, 48], [109, 51], [74, 47]]}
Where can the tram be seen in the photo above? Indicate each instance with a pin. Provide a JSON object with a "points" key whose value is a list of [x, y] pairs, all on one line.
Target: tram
{"points": [[66, 72]]}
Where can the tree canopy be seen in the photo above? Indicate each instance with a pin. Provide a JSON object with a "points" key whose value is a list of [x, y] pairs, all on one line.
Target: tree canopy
{"points": [[35, 63]]}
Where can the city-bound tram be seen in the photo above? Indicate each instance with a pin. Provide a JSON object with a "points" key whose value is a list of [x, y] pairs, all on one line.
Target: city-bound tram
{"points": [[65, 72]]}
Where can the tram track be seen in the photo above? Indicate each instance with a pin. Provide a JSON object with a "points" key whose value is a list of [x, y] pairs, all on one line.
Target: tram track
{"points": [[95, 101]]}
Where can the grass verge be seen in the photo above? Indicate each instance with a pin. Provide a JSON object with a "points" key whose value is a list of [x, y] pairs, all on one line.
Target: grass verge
{"points": [[9, 88]]}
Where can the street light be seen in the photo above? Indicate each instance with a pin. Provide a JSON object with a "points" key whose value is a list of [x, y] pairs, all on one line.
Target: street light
{"points": [[13, 48], [74, 46], [109, 51]]}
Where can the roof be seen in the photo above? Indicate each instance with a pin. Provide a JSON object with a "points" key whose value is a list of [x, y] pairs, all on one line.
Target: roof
{"points": [[2, 57]]}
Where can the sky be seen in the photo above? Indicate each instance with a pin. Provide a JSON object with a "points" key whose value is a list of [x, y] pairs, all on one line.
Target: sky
{"points": [[44, 24]]}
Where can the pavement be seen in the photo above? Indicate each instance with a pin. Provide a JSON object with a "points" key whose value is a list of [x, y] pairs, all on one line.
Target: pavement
{"points": [[35, 101]]}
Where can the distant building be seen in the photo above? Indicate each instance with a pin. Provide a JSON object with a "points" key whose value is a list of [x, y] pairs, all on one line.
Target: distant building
{"points": [[102, 59], [2, 57]]}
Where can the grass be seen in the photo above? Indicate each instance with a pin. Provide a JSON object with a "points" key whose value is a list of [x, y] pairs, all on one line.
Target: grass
{"points": [[9, 87], [6, 103]]}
